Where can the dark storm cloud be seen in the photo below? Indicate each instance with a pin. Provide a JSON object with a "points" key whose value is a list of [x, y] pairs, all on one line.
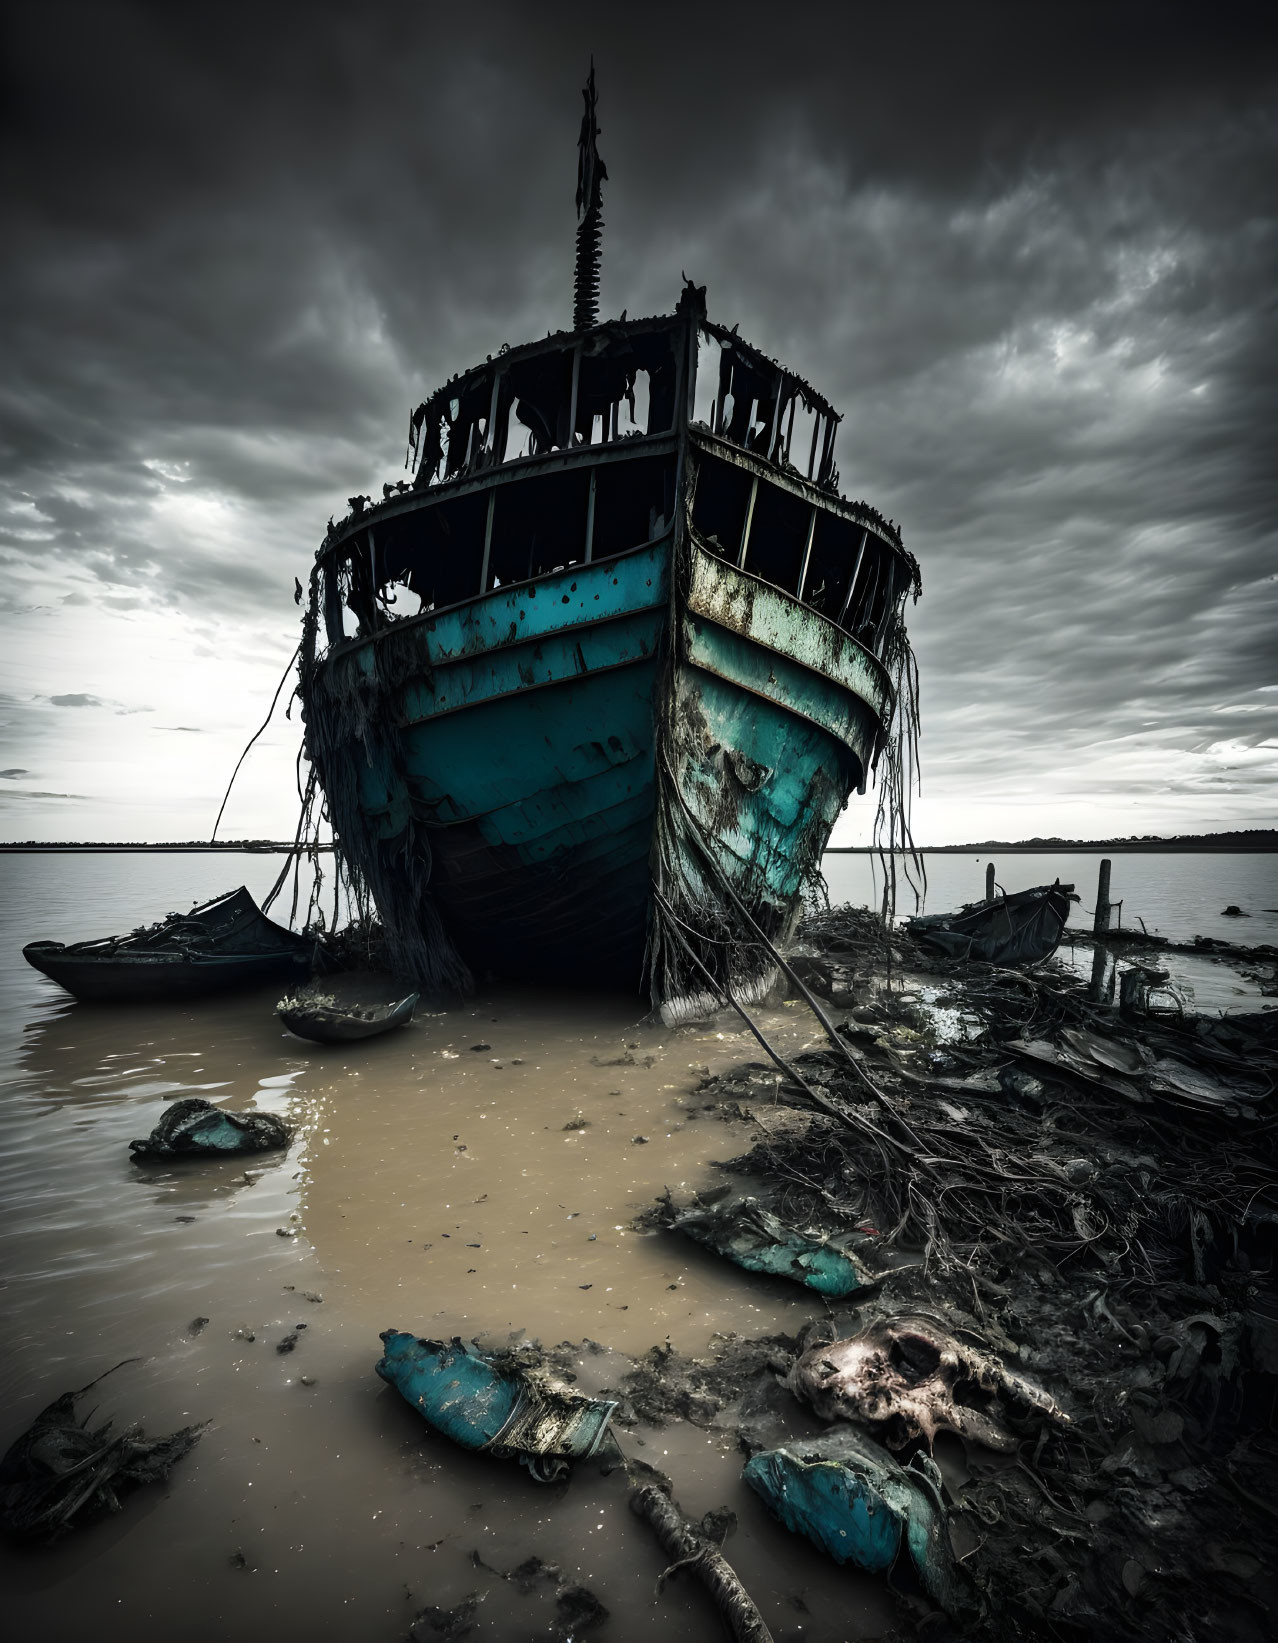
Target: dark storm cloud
{"points": [[1031, 252], [14, 775]]}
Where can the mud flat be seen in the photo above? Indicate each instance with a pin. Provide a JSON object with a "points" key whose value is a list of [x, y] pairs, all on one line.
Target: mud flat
{"points": [[1101, 1231]]}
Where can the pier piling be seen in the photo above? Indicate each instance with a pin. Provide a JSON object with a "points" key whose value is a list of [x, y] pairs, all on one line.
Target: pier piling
{"points": [[989, 882], [1100, 925]]}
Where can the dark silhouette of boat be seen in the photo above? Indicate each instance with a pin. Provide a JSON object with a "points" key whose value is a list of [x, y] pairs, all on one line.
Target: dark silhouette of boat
{"points": [[1017, 930], [224, 944], [586, 696]]}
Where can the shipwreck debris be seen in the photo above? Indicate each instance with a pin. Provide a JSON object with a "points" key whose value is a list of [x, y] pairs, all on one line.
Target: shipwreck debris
{"points": [[850, 1498], [345, 1009], [751, 1236], [195, 1128], [908, 1377], [61, 1470], [508, 1411], [691, 1547]]}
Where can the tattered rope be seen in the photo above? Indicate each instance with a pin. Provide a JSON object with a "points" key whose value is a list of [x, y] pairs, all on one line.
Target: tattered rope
{"points": [[252, 739]]}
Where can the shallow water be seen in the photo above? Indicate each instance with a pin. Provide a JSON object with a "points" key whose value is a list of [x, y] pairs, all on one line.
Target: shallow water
{"points": [[431, 1186]]}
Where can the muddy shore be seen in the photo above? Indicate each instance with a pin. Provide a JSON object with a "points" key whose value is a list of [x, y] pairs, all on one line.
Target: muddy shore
{"points": [[493, 1173]]}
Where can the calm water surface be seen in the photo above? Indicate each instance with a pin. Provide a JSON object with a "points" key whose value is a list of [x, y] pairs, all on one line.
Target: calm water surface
{"points": [[431, 1186]]}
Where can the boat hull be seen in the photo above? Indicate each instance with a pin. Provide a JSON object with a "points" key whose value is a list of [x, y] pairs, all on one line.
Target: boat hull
{"points": [[149, 979], [551, 750], [226, 944]]}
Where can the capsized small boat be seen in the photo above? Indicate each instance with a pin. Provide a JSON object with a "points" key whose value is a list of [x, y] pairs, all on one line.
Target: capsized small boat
{"points": [[344, 1008], [586, 693], [218, 946], [1017, 930]]}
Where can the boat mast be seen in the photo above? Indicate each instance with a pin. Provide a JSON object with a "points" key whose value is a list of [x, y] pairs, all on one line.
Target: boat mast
{"points": [[591, 172]]}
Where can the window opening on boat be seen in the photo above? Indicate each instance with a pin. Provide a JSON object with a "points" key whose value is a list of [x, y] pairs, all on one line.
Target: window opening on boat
{"points": [[778, 537], [720, 504], [830, 564]]}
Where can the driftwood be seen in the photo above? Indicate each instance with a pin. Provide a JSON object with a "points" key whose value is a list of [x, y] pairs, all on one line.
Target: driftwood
{"points": [[691, 1549]]}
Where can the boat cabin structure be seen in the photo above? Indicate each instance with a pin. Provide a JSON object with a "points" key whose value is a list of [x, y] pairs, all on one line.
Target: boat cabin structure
{"points": [[586, 693]]}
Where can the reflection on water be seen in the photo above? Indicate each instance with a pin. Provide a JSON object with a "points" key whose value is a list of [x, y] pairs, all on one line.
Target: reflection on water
{"points": [[477, 1172]]}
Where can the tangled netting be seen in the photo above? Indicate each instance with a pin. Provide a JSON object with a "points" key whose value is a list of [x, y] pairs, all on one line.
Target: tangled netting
{"points": [[348, 712], [1096, 1200]]}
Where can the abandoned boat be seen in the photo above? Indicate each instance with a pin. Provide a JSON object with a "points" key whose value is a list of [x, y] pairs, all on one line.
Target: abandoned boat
{"points": [[1022, 929], [224, 944], [587, 694], [343, 1009]]}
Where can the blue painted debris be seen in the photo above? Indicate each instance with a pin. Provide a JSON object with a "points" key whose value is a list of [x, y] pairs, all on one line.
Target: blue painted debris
{"points": [[196, 1128], [850, 1498], [510, 1413], [754, 1238]]}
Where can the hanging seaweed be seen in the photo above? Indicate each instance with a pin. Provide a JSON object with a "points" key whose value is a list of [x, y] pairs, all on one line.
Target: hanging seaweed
{"points": [[347, 710]]}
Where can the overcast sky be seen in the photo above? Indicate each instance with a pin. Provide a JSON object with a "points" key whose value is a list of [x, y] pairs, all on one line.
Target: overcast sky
{"points": [[1029, 250]]}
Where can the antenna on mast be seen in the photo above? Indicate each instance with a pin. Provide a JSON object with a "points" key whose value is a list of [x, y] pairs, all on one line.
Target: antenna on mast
{"points": [[591, 173]]}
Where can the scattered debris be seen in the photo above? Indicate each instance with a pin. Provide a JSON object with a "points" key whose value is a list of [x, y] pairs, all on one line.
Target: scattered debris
{"points": [[1106, 1226], [754, 1238], [343, 1009], [194, 1127], [693, 1548], [908, 1377], [506, 1408], [850, 1498], [437, 1625], [61, 1469]]}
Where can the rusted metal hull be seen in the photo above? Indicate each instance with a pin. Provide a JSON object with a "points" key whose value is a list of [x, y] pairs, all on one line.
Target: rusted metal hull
{"points": [[651, 662], [513, 745]]}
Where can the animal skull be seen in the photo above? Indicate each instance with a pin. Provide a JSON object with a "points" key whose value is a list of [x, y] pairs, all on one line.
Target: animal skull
{"points": [[910, 1377]]}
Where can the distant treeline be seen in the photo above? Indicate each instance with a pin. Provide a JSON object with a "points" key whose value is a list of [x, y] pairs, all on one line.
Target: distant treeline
{"points": [[186, 844], [1251, 838]]}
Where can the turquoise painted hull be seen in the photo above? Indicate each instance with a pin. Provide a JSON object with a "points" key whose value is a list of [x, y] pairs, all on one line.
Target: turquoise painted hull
{"points": [[643, 680], [519, 741]]}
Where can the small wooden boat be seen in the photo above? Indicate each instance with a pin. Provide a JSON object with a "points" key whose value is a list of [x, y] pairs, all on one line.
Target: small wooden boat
{"points": [[224, 944], [345, 1008], [1021, 929]]}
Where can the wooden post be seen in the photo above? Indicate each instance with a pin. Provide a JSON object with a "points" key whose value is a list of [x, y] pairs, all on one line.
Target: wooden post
{"points": [[1100, 953], [989, 882]]}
